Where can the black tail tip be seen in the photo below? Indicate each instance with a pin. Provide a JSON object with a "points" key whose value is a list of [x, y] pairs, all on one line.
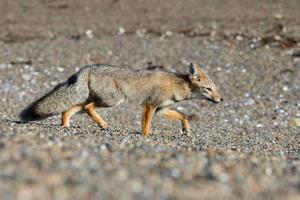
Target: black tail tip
{"points": [[28, 114]]}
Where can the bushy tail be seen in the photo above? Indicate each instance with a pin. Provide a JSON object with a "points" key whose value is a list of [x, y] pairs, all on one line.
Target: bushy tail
{"points": [[72, 92]]}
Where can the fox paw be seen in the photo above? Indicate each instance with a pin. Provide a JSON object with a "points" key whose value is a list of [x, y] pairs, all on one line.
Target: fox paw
{"points": [[65, 125], [145, 133], [186, 131], [103, 126]]}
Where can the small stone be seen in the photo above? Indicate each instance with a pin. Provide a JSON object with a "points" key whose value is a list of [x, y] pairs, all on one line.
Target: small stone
{"points": [[294, 122], [252, 45], [121, 31], [277, 37], [169, 33], [60, 69], [239, 38], [89, 33], [53, 83], [280, 110], [259, 125], [285, 88], [278, 16], [26, 77], [180, 108]]}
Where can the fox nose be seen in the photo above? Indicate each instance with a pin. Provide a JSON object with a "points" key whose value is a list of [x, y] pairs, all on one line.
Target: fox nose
{"points": [[221, 99]]}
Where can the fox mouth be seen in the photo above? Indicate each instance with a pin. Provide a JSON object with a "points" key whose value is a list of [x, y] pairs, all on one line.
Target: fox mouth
{"points": [[214, 101]]}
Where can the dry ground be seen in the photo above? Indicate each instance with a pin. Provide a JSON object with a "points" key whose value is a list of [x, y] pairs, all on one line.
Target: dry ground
{"points": [[240, 149]]}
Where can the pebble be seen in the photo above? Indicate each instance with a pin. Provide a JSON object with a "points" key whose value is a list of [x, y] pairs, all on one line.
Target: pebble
{"points": [[121, 30], [60, 69], [89, 33], [26, 77], [285, 88], [259, 125]]}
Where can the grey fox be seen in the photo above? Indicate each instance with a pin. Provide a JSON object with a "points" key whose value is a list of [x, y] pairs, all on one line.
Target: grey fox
{"points": [[106, 86]]}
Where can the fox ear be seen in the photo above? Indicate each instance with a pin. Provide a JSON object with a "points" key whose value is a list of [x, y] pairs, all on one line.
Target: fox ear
{"points": [[195, 71], [192, 69]]}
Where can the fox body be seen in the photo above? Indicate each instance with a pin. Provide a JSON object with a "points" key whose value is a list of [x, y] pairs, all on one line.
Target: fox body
{"points": [[106, 86]]}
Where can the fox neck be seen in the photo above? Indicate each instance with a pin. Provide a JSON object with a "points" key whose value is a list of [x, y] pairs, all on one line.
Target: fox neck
{"points": [[190, 91], [184, 91]]}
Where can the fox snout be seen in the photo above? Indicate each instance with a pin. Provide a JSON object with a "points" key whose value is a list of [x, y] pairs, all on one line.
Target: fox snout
{"points": [[212, 94], [215, 99]]}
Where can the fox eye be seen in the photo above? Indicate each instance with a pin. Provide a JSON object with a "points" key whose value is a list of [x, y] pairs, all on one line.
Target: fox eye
{"points": [[197, 78], [208, 89]]}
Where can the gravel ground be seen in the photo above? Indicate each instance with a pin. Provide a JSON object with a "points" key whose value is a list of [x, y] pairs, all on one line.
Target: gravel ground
{"points": [[242, 148]]}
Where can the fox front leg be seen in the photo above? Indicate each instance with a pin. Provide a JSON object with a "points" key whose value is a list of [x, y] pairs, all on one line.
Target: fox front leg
{"points": [[175, 115], [147, 116]]}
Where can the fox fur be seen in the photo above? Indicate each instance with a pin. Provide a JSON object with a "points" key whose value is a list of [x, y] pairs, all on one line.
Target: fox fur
{"points": [[106, 86]]}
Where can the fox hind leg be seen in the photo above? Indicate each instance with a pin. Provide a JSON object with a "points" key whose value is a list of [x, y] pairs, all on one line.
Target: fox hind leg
{"points": [[66, 115], [175, 115], [90, 109]]}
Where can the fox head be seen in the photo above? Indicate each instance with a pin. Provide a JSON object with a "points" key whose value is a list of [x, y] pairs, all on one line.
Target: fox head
{"points": [[202, 85]]}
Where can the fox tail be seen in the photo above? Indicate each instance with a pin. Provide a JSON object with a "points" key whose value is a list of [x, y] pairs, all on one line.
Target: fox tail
{"points": [[74, 91]]}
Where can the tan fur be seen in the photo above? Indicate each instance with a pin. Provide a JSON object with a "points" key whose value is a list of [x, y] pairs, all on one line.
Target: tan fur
{"points": [[66, 115], [106, 86], [90, 109], [147, 116], [175, 115]]}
